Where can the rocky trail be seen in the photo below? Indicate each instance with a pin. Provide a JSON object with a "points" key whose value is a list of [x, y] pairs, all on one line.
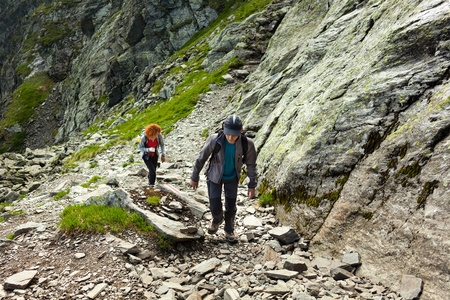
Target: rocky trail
{"points": [[268, 262]]}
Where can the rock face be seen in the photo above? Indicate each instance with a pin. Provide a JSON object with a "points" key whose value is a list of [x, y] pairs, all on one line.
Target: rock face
{"points": [[351, 113], [92, 51]]}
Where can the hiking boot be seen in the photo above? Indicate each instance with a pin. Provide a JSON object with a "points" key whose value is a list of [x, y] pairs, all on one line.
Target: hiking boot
{"points": [[214, 227], [231, 237]]}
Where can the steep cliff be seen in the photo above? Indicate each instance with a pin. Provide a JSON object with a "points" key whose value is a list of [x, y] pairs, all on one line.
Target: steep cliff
{"points": [[65, 62], [350, 107]]}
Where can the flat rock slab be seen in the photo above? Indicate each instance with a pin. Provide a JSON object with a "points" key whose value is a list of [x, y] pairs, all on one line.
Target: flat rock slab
{"points": [[169, 228], [252, 222], [27, 227], [206, 266], [285, 234], [411, 287], [19, 280], [197, 208], [281, 274], [97, 290]]}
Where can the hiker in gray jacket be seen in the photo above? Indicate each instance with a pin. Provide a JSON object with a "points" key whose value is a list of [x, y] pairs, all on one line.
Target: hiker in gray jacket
{"points": [[224, 169]]}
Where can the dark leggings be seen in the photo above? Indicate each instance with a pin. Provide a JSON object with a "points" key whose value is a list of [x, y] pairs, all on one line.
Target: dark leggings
{"points": [[215, 202], [151, 163]]}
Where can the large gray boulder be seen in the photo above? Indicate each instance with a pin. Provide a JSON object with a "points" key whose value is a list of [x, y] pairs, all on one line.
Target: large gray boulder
{"points": [[351, 114]]}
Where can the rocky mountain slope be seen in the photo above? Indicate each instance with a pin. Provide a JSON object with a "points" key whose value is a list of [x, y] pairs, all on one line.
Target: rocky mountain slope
{"points": [[347, 102], [269, 262]]}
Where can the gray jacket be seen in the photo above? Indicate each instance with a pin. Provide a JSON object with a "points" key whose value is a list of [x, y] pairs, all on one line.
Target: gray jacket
{"points": [[214, 170], [143, 145]]}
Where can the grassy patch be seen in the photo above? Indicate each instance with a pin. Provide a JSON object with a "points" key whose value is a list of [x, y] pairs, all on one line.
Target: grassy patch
{"points": [[241, 9], [99, 218], [157, 86], [5, 204], [53, 33], [91, 181], [30, 94], [153, 200], [93, 165], [10, 237], [16, 213], [2, 219], [130, 163], [164, 242], [24, 69], [61, 194], [30, 41], [267, 200], [204, 132]]}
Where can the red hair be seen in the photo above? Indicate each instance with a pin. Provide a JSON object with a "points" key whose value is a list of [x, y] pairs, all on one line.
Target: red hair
{"points": [[152, 131]]}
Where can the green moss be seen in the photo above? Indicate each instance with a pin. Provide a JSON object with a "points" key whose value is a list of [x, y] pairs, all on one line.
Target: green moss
{"points": [[30, 41], [240, 9], [403, 151], [179, 25], [91, 181], [267, 200], [153, 200], [367, 215], [61, 194], [53, 33], [103, 98], [411, 170], [375, 138], [263, 187], [30, 94], [444, 103], [157, 86], [24, 70], [301, 195], [426, 191], [392, 164], [163, 9]]}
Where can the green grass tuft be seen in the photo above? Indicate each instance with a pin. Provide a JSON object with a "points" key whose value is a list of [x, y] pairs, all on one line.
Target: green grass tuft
{"points": [[99, 218], [91, 181], [153, 200], [61, 194], [267, 200]]}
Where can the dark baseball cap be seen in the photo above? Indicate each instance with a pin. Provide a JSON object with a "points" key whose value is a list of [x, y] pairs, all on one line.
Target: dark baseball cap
{"points": [[232, 125]]}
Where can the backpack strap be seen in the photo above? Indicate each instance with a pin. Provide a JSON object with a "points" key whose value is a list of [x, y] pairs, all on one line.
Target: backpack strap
{"points": [[244, 145]]}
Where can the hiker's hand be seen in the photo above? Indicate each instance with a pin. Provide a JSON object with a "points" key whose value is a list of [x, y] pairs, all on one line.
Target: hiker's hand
{"points": [[251, 193], [194, 184], [163, 158]]}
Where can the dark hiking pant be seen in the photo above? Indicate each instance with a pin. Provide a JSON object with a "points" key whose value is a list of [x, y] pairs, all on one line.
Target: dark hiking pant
{"points": [[215, 202], [151, 163]]}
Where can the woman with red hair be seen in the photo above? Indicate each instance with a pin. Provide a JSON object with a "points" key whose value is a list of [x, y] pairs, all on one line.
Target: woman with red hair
{"points": [[148, 145]]}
